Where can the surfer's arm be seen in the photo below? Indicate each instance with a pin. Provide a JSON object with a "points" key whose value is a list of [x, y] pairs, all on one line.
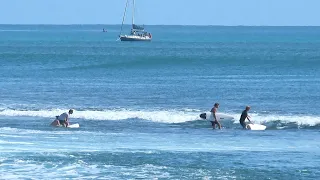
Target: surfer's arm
{"points": [[248, 118]]}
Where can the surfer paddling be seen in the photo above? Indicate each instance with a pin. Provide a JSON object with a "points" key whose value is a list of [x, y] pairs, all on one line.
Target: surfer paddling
{"points": [[215, 121], [63, 119], [245, 116]]}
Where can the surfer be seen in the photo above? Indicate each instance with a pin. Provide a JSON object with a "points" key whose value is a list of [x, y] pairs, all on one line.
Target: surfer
{"points": [[63, 119], [215, 120], [244, 116]]}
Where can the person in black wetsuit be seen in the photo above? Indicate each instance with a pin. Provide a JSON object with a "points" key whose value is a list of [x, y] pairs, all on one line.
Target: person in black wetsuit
{"points": [[244, 116]]}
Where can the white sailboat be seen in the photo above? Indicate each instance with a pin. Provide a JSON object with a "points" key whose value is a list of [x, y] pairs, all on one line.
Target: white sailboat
{"points": [[137, 32]]}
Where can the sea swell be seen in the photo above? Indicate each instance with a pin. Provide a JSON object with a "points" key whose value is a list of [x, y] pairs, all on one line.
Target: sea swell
{"points": [[176, 117]]}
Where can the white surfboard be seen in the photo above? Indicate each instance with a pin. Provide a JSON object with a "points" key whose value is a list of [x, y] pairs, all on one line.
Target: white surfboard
{"points": [[220, 116], [74, 125], [256, 127]]}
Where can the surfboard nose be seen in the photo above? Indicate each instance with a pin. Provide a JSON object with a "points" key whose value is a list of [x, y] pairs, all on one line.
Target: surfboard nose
{"points": [[203, 116]]}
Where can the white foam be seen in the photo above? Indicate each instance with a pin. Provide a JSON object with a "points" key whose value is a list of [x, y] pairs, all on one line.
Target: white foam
{"points": [[164, 116], [299, 119], [171, 116], [7, 131], [12, 142], [21, 169]]}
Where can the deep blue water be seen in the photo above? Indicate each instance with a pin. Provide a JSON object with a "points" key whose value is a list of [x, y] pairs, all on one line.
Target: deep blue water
{"points": [[138, 104]]}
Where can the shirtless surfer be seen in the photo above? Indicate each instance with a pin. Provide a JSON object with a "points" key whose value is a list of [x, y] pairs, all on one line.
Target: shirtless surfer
{"points": [[215, 120]]}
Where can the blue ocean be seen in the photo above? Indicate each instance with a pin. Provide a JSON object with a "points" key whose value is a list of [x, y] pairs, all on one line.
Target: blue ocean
{"points": [[138, 103]]}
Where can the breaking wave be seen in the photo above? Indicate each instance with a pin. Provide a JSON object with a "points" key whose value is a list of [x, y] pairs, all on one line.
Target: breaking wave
{"points": [[183, 116]]}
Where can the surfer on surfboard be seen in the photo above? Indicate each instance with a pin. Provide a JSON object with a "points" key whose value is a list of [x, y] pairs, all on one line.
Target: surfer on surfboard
{"points": [[245, 116], [63, 119], [215, 120]]}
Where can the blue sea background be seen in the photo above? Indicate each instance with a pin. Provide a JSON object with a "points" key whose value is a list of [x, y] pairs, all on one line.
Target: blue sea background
{"points": [[138, 104]]}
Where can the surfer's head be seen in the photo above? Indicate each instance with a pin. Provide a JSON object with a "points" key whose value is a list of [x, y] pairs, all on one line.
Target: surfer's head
{"points": [[247, 108], [216, 105], [70, 111]]}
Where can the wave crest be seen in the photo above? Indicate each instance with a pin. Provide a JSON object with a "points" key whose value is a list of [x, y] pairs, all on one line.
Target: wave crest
{"points": [[185, 116]]}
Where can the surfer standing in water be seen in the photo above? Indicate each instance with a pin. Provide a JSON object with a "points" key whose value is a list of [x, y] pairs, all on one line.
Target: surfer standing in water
{"points": [[63, 119], [244, 116], [215, 120]]}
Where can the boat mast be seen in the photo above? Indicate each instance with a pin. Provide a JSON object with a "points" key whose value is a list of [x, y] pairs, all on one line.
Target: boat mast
{"points": [[124, 16], [133, 11]]}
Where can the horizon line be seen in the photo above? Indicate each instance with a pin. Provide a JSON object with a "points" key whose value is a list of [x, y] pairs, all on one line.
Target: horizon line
{"points": [[84, 24]]}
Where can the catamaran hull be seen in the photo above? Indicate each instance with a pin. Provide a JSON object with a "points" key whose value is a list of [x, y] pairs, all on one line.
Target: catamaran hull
{"points": [[124, 38]]}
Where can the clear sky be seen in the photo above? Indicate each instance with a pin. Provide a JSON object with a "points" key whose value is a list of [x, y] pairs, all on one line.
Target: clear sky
{"points": [[169, 12]]}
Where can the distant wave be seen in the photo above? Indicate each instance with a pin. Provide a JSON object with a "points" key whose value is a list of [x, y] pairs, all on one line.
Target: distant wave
{"points": [[171, 116], [18, 30], [184, 117]]}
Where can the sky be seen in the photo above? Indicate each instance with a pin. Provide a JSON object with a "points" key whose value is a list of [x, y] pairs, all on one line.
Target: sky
{"points": [[163, 12]]}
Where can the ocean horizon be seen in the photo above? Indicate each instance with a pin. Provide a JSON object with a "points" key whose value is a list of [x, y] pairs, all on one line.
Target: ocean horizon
{"points": [[129, 24]]}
